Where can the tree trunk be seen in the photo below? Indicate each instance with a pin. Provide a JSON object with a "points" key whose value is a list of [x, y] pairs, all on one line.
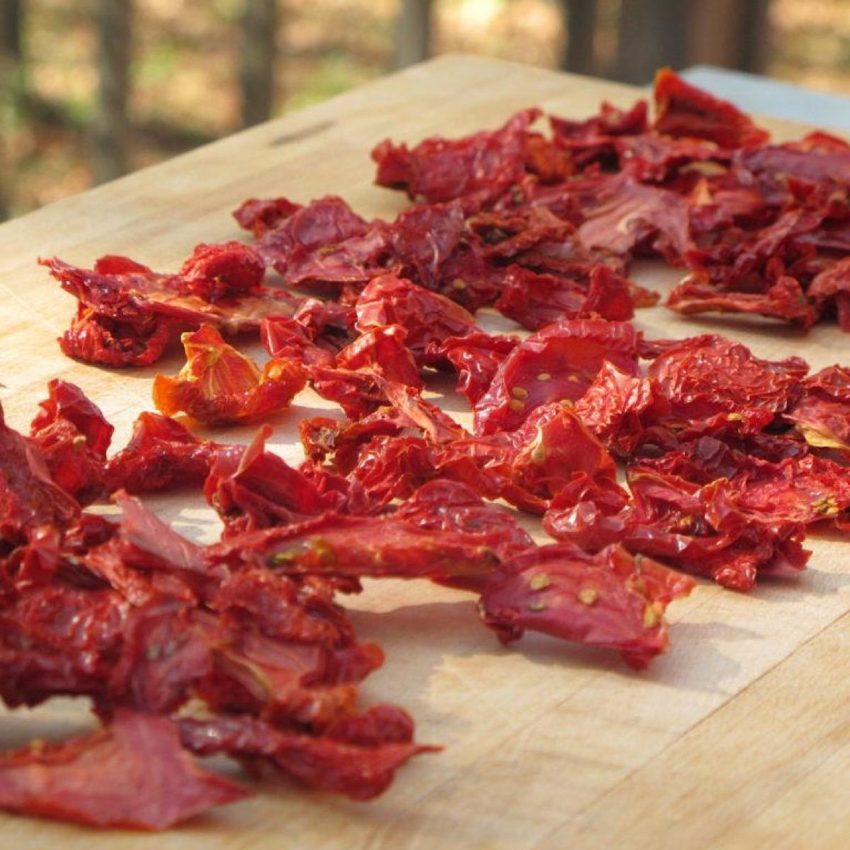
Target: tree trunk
{"points": [[110, 148], [259, 54], [11, 22], [579, 54], [11, 85], [729, 33], [413, 32], [754, 36], [652, 34]]}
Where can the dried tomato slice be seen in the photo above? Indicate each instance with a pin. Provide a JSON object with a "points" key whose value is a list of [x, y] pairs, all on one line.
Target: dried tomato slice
{"points": [[73, 436], [161, 454], [134, 774], [684, 110], [477, 168], [220, 386], [428, 317], [610, 599], [822, 415], [557, 363]]}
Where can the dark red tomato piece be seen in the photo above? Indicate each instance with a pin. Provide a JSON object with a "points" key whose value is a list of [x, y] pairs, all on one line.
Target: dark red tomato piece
{"points": [[822, 415], [619, 407], [161, 454], [428, 317], [134, 774], [477, 168], [709, 379], [259, 216], [216, 271], [28, 496], [682, 109], [783, 300], [350, 759], [73, 436], [611, 599], [475, 357], [627, 215], [558, 363], [831, 289]]}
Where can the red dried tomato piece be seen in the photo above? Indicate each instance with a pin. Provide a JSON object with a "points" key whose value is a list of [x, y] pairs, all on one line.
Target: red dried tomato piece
{"points": [[534, 300], [651, 158], [588, 512], [822, 415], [448, 506], [682, 523], [610, 599], [682, 109], [550, 448], [362, 370], [133, 295], [161, 454], [214, 272], [619, 407], [427, 316], [95, 338], [477, 168], [325, 244], [220, 386], [475, 357], [337, 545], [627, 215], [338, 442], [784, 299], [360, 769], [28, 496], [288, 339], [508, 234], [711, 381], [816, 158], [259, 216], [253, 488], [425, 238], [73, 436], [831, 288], [68, 402], [134, 774], [557, 363], [593, 140]]}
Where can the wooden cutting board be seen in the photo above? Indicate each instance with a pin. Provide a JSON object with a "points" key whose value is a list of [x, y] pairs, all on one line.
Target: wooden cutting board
{"points": [[738, 737]]}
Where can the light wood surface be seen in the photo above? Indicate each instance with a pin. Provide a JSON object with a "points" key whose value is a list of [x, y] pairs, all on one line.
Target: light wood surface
{"points": [[738, 738]]}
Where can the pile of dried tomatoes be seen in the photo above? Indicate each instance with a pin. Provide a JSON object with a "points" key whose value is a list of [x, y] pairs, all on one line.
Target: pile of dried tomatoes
{"points": [[241, 648]]}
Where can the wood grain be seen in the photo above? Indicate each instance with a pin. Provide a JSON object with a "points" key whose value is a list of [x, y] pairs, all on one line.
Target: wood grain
{"points": [[739, 737]]}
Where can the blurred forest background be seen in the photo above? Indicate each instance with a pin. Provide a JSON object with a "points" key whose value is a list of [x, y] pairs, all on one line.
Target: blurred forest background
{"points": [[92, 88]]}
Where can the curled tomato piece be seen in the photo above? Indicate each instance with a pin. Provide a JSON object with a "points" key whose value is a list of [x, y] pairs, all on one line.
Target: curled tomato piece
{"points": [[28, 495], [479, 167], [134, 774], [220, 386], [822, 415], [557, 363], [216, 271], [162, 454], [535, 300], [710, 380], [357, 757], [784, 299], [694, 527], [73, 436], [428, 317], [611, 599], [685, 110]]}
